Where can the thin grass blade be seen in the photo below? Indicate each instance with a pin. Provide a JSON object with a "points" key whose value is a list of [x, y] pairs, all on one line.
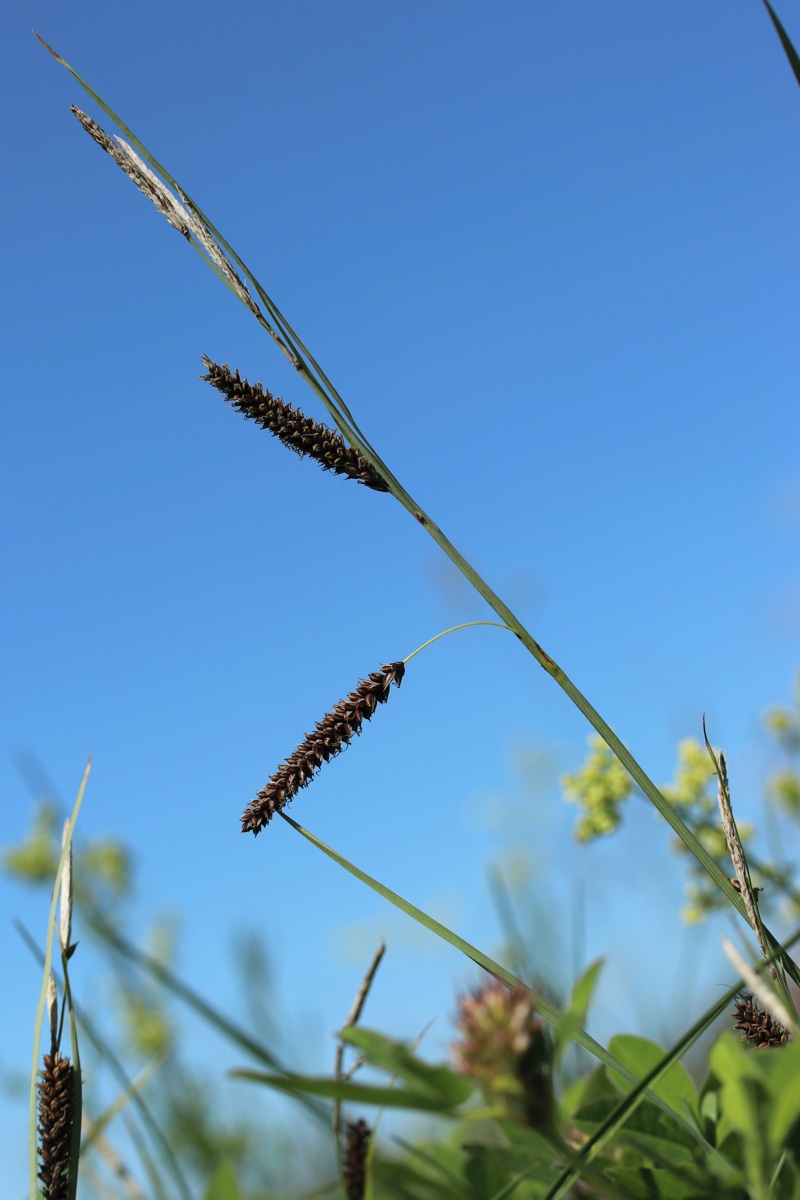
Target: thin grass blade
{"points": [[48, 958], [789, 50], [134, 1088], [77, 1086], [543, 1006], [107, 1055], [324, 389], [223, 1024]]}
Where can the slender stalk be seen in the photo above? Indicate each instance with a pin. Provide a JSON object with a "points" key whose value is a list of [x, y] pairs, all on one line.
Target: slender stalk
{"points": [[550, 1012], [352, 1018], [453, 629], [40, 1009], [307, 367]]}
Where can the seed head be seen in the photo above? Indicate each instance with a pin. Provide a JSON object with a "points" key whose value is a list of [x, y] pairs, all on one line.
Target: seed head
{"points": [[355, 1160], [332, 734], [757, 1026], [505, 1048], [55, 1125], [297, 431]]}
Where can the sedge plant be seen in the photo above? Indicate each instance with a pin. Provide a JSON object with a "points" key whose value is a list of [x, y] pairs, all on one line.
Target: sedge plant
{"points": [[634, 1126]]}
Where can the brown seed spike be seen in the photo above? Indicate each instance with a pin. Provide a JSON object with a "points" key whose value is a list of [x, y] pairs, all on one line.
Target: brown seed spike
{"points": [[354, 1165], [758, 1027], [331, 735], [297, 431], [55, 1125]]}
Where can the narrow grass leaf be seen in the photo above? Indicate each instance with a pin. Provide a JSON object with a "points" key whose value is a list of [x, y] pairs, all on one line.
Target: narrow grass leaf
{"points": [[439, 1081], [575, 1016], [330, 397], [346, 1090], [77, 1086], [133, 1088], [157, 970], [40, 1008], [789, 50], [543, 1006], [107, 1055]]}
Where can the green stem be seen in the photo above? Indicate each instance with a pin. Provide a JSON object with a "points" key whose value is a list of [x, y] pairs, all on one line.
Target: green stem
{"points": [[318, 381], [453, 629]]}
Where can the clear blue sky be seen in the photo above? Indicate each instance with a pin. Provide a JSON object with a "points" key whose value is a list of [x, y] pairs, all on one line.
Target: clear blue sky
{"points": [[549, 255]]}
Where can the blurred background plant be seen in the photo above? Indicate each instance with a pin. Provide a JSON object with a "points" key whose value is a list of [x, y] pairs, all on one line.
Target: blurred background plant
{"points": [[152, 1102], [600, 788]]}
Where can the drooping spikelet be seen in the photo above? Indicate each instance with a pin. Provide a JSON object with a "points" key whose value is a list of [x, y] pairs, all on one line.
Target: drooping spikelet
{"points": [[505, 1048], [757, 1026], [354, 1163], [297, 431], [55, 1125], [332, 734]]}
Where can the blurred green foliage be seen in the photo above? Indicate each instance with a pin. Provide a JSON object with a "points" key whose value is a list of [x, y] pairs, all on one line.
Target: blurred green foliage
{"points": [[600, 787]]}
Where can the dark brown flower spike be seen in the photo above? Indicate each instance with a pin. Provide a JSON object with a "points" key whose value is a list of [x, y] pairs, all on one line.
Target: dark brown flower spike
{"points": [[297, 431], [332, 734], [55, 1125], [757, 1026], [354, 1164]]}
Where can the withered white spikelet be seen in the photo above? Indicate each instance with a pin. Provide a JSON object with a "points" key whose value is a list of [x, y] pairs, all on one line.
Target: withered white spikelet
{"points": [[65, 898], [129, 161], [215, 252], [736, 851], [52, 1012]]}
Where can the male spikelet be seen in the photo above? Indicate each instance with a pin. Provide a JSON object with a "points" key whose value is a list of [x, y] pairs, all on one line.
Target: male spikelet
{"points": [[332, 734]]}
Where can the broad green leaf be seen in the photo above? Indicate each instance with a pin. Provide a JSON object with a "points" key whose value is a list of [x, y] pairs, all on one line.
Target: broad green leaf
{"points": [[759, 1089], [745, 1101], [223, 1184], [415, 1180], [641, 1056], [583, 990], [439, 1082], [785, 1092], [653, 1183], [575, 1016], [513, 1145], [590, 1087], [651, 1147]]}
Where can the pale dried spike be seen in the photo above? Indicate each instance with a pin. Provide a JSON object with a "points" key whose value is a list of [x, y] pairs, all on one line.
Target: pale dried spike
{"points": [[65, 898], [738, 859], [214, 251], [154, 189], [128, 160], [52, 1011], [765, 996]]}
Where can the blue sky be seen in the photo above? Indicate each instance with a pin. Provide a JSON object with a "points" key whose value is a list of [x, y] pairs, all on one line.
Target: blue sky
{"points": [[548, 254]]}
